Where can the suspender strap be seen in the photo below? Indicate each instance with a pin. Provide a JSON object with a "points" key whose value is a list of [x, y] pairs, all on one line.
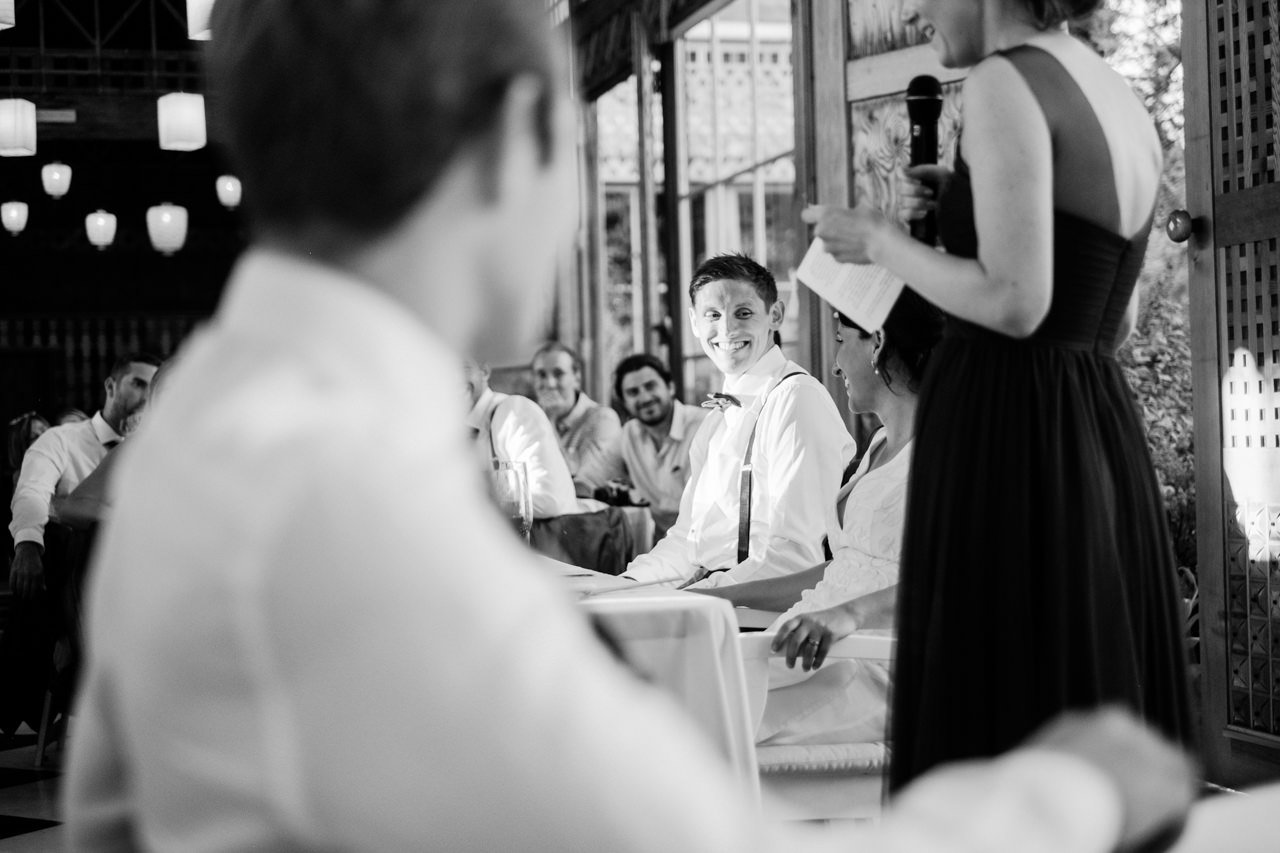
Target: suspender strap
{"points": [[744, 478], [493, 448]]}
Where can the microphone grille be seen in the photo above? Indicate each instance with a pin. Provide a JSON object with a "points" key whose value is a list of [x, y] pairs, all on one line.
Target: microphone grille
{"points": [[924, 86]]}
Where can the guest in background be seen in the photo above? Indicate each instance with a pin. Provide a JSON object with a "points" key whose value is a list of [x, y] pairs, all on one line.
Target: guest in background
{"points": [[656, 441], [589, 433], [1032, 499], [47, 568], [512, 428], [70, 415], [63, 456], [772, 416]]}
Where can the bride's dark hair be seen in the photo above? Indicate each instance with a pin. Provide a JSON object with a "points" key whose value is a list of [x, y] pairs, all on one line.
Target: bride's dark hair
{"points": [[911, 330]]}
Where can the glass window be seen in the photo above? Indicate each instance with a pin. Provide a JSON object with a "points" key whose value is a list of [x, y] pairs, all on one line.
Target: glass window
{"points": [[738, 122]]}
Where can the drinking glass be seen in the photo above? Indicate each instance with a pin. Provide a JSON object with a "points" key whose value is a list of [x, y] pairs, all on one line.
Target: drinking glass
{"points": [[511, 490]]}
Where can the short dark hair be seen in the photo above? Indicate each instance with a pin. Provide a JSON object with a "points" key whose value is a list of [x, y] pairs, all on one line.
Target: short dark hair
{"points": [[121, 364], [632, 363], [340, 116], [556, 346], [735, 267], [912, 329]]}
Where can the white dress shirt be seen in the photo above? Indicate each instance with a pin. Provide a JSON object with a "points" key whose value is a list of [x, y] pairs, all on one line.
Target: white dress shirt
{"points": [[55, 464], [801, 449], [308, 630], [844, 701], [515, 429], [660, 472]]}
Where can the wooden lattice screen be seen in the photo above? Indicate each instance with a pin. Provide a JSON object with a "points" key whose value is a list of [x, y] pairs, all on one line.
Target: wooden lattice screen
{"points": [[1242, 39], [82, 349]]}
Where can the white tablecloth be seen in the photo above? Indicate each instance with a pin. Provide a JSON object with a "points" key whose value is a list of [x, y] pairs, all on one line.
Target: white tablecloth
{"points": [[686, 644]]}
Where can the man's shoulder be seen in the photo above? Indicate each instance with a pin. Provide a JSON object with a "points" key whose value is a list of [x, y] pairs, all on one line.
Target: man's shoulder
{"points": [[519, 406], [600, 415], [57, 438]]}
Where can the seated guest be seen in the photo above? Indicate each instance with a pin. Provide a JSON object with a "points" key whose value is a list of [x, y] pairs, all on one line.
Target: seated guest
{"points": [[588, 432], [47, 565], [511, 428], [845, 702], [656, 441], [776, 436]]}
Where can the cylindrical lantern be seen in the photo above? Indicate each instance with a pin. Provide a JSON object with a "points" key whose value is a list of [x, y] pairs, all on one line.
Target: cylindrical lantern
{"points": [[7, 18], [198, 19], [17, 128], [14, 214], [181, 119], [167, 225], [56, 178], [101, 228], [229, 191]]}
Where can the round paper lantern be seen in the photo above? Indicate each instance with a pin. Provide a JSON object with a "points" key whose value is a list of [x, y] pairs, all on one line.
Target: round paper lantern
{"points": [[14, 214], [56, 178], [180, 116], [17, 128], [101, 228], [167, 226], [229, 191]]}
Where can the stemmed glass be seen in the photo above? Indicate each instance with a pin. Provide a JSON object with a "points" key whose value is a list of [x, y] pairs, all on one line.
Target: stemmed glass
{"points": [[511, 490]]}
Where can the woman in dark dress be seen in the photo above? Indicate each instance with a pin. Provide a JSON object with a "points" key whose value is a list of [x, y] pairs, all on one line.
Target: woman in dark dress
{"points": [[1037, 573]]}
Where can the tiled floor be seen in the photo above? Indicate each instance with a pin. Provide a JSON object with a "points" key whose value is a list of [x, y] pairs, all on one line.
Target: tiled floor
{"points": [[38, 799]]}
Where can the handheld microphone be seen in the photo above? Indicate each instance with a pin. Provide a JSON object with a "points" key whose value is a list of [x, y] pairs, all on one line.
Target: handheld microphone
{"points": [[924, 106]]}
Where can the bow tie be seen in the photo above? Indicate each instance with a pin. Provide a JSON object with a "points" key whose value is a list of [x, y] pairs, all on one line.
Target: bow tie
{"points": [[716, 400]]}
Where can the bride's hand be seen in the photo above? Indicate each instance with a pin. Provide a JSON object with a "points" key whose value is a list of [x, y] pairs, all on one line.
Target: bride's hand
{"points": [[847, 233], [808, 637]]}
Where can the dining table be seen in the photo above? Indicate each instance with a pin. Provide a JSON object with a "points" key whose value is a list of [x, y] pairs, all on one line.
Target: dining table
{"points": [[683, 643]]}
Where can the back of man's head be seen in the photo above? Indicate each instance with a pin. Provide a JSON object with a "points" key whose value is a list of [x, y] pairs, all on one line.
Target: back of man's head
{"points": [[341, 115]]}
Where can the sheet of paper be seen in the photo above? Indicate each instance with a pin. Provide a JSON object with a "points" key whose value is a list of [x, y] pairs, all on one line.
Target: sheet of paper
{"points": [[864, 293]]}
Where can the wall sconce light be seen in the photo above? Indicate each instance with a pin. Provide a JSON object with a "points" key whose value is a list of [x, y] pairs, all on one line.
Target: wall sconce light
{"points": [[56, 178], [229, 191], [14, 214], [17, 128], [167, 226], [7, 17], [198, 19], [181, 119], [101, 228]]}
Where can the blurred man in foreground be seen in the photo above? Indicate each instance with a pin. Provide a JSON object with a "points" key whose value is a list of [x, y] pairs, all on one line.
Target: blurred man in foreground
{"points": [[305, 639]]}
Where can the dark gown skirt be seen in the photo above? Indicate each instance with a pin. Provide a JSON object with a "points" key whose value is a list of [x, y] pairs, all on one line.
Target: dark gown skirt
{"points": [[1037, 570]]}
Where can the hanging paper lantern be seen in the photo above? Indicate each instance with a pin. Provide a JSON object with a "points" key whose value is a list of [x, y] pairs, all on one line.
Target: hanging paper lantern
{"points": [[17, 128], [181, 119], [14, 214], [167, 226], [7, 17], [56, 178], [101, 228], [198, 19], [229, 191]]}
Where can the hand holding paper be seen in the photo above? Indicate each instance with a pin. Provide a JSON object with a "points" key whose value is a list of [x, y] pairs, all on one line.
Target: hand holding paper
{"points": [[865, 293]]}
